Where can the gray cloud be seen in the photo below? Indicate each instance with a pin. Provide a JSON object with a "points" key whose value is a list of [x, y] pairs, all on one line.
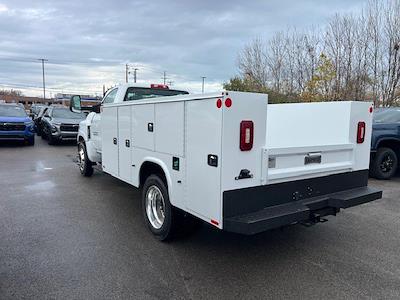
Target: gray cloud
{"points": [[88, 42]]}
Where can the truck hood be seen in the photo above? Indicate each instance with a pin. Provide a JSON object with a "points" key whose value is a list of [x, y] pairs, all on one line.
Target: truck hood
{"points": [[66, 121], [15, 119]]}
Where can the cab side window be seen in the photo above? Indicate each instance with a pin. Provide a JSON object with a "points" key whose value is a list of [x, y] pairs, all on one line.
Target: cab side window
{"points": [[110, 96]]}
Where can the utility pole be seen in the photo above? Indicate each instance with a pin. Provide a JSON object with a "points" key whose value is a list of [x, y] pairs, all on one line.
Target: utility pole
{"points": [[170, 82], [134, 74], [126, 72], [202, 85], [165, 77], [44, 82]]}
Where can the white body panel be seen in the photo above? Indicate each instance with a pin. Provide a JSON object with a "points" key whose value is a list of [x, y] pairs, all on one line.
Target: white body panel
{"points": [[203, 138], [191, 127]]}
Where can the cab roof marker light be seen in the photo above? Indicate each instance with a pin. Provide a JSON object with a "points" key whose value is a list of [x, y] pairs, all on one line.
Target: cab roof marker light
{"points": [[159, 86]]}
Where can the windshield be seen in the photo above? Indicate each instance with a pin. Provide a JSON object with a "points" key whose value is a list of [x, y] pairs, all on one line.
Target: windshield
{"points": [[391, 115], [134, 93], [65, 113], [12, 111]]}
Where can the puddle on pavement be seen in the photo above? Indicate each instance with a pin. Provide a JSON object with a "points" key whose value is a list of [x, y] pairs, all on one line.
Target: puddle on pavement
{"points": [[41, 186]]}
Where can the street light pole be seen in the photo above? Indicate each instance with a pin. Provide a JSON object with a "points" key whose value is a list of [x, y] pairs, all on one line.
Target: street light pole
{"points": [[44, 82], [202, 85], [134, 74]]}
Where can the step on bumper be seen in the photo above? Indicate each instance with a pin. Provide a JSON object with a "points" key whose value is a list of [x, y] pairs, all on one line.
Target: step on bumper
{"points": [[303, 211]]}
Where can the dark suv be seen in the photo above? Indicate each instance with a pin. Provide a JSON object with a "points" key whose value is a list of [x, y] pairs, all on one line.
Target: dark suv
{"points": [[385, 143], [60, 124]]}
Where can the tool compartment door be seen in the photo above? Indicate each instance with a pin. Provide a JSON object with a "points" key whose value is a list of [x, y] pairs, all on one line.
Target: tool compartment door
{"points": [[124, 149], [109, 131], [203, 164]]}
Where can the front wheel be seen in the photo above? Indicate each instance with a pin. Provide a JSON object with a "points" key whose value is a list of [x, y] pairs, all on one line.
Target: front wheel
{"points": [[31, 141], [85, 165], [384, 165]]}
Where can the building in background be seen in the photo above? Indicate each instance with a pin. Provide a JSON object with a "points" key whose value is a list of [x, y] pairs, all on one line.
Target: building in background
{"points": [[87, 100]]}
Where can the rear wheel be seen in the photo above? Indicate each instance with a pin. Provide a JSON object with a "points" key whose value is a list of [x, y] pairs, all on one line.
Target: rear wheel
{"points": [[157, 210], [164, 220], [85, 165], [384, 165]]}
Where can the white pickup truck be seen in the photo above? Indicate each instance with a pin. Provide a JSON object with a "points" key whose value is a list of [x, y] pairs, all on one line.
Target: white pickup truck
{"points": [[229, 158]]}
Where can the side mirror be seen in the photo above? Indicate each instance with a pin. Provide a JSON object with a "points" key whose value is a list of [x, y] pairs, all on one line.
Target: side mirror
{"points": [[75, 104]]}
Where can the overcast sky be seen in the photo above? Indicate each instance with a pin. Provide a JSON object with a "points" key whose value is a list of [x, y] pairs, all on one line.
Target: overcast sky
{"points": [[88, 42]]}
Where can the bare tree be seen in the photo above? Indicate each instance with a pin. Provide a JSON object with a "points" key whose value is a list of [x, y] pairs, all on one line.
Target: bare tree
{"points": [[361, 52]]}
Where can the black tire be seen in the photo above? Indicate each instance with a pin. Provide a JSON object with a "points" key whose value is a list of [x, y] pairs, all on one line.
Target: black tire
{"points": [[50, 139], [384, 165], [169, 225], [43, 133], [85, 165]]}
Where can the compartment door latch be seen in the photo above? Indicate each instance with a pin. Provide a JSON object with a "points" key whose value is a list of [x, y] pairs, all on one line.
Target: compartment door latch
{"points": [[244, 174], [212, 160]]}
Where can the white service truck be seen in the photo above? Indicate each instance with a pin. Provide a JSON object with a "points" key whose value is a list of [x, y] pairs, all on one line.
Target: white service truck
{"points": [[229, 158]]}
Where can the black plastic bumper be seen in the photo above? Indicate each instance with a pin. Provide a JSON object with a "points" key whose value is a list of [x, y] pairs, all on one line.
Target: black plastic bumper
{"points": [[306, 210]]}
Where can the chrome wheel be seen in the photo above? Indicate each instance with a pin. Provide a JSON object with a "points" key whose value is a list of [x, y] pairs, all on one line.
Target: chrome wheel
{"points": [[155, 207], [81, 157]]}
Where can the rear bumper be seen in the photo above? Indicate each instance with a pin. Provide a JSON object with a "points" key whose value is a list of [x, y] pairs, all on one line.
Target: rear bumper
{"points": [[301, 207]]}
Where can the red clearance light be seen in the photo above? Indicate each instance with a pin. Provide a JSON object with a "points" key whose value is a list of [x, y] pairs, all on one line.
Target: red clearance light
{"points": [[371, 109], [360, 132], [159, 86], [228, 102], [214, 222], [246, 135], [219, 103]]}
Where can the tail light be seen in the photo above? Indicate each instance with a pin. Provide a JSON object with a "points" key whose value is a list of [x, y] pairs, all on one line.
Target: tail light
{"points": [[246, 135], [360, 132]]}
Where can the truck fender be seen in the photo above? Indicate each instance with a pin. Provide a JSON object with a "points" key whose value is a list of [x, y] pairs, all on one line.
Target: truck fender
{"points": [[163, 166], [386, 138]]}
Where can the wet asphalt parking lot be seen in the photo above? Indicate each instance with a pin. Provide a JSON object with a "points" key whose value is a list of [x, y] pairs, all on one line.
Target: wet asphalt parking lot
{"points": [[63, 236]]}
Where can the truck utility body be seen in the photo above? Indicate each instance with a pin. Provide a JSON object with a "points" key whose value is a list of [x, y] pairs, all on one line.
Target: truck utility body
{"points": [[235, 161]]}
